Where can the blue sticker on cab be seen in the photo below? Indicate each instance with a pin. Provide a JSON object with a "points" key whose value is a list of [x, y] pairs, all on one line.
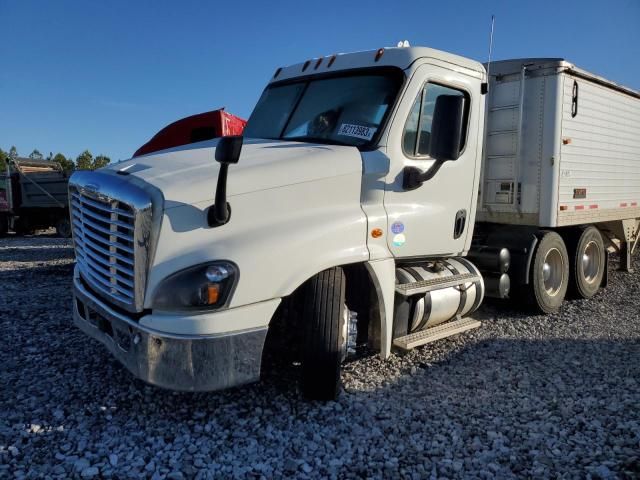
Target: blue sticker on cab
{"points": [[397, 227]]}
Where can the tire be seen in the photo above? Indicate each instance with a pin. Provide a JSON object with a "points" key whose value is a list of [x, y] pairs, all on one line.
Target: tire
{"points": [[4, 225], [324, 326], [549, 274], [587, 262], [22, 227], [63, 227]]}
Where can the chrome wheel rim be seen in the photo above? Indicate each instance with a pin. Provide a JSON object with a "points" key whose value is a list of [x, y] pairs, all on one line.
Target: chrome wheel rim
{"points": [[349, 332], [553, 272], [591, 262]]}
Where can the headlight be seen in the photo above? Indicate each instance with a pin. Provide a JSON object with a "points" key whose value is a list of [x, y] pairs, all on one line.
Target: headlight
{"points": [[203, 287]]}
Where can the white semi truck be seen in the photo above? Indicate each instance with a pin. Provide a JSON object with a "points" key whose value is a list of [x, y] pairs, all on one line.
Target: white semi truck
{"points": [[374, 200]]}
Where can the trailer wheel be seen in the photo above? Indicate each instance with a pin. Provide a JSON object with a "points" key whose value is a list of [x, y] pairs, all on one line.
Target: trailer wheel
{"points": [[586, 250], [4, 225], [22, 227], [549, 276], [63, 228], [324, 326]]}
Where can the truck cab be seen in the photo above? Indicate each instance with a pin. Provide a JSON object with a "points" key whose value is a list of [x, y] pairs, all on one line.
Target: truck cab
{"points": [[351, 195]]}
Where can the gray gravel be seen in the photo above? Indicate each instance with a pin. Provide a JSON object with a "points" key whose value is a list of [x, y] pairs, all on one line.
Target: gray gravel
{"points": [[524, 396]]}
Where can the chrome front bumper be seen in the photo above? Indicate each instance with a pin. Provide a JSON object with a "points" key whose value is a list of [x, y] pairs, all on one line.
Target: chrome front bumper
{"points": [[176, 362]]}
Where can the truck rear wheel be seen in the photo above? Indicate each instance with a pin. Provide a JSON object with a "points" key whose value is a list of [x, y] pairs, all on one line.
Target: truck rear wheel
{"points": [[586, 250], [549, 276], [325, 317]]}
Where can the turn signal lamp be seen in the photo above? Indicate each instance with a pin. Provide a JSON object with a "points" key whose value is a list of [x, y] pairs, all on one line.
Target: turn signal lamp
{"points": [[213, 294]]}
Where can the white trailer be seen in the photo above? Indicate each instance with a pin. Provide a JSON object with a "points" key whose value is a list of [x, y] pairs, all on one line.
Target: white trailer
{"points": [[375, 198], [562, 149], [562, 153]]}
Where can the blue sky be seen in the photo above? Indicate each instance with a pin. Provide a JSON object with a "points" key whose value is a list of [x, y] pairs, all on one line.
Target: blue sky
{"points": [[105, 76]]}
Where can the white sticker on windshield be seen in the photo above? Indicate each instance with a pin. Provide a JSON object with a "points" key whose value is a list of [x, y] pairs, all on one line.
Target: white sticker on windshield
{"points": [[358, 131]]}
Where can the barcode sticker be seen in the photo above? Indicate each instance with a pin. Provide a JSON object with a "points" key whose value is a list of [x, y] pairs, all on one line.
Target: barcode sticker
{"points": [[358, 131]]}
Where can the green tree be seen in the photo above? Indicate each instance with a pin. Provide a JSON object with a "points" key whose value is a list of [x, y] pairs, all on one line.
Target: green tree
{"points": [[36, 155], [101, 161], [3, 160], [66, 163], [13, 153], [84, 161]]}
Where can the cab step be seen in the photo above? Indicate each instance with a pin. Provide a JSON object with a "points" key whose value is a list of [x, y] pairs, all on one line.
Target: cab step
{"points": [[424, 286], [438, 332]]}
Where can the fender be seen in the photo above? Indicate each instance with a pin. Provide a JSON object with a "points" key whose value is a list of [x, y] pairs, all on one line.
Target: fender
{"points": [[278, 237]]}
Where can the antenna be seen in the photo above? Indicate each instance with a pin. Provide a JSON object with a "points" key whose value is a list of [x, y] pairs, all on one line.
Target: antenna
{"points": [[485, 86]]}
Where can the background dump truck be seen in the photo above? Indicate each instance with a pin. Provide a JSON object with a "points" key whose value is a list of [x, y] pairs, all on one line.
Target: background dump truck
{"points": [[33, 195], [375, 199]]}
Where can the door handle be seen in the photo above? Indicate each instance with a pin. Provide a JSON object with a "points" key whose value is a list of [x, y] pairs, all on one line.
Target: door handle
{"points": [[459, 223]]}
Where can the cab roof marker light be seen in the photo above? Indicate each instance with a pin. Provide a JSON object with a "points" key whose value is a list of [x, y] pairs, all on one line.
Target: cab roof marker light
{"points": [[379, 54], [331, 60], [318, 63], [306, 64]]}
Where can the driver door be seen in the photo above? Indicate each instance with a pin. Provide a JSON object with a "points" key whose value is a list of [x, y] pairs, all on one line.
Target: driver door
{"points": [[436, 218]]}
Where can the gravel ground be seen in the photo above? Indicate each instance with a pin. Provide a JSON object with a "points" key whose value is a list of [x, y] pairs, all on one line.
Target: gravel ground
{"points": [[523, 396]]}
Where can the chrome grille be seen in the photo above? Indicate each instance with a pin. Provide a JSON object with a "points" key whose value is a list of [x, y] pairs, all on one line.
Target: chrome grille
{"points": [[104, 233], [111, 236]]}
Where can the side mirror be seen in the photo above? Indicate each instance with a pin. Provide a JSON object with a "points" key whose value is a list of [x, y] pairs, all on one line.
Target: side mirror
{"points": [[227, 153], [228, 149], [446, 128], [446, 139]]}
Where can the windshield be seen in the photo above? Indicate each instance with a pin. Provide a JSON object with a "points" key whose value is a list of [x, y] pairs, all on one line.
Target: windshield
{"points": [[345, 110]]}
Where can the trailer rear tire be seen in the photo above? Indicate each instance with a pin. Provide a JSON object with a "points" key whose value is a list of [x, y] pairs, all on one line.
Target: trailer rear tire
{"points": [[23, 227], [63, 228], [4, 225], [549, 275], [586, 251], [324, 323]]}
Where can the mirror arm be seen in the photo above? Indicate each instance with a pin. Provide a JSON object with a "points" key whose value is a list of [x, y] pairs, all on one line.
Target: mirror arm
{"points": [[413, 177], [220, 212]]}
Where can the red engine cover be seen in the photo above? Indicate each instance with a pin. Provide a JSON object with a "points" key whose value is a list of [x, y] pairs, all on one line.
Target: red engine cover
{"points": [[196, 128]]}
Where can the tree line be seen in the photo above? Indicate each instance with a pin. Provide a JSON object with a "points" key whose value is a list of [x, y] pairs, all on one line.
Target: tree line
{"points": [[84, 161]]}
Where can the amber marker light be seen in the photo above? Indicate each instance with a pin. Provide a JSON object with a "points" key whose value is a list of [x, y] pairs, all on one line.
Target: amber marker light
{"points": [[376, 232], [213, 293]]}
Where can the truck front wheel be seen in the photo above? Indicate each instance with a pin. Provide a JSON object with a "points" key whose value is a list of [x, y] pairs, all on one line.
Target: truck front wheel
{"points": [[549, 276], [324, 328], [587, 262]]}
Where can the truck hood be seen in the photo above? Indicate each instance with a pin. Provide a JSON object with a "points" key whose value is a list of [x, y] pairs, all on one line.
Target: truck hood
{"points": [[188, 174]]}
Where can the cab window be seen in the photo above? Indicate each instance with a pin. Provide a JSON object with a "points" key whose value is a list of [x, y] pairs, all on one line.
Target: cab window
{"points": [[417, 131]]}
